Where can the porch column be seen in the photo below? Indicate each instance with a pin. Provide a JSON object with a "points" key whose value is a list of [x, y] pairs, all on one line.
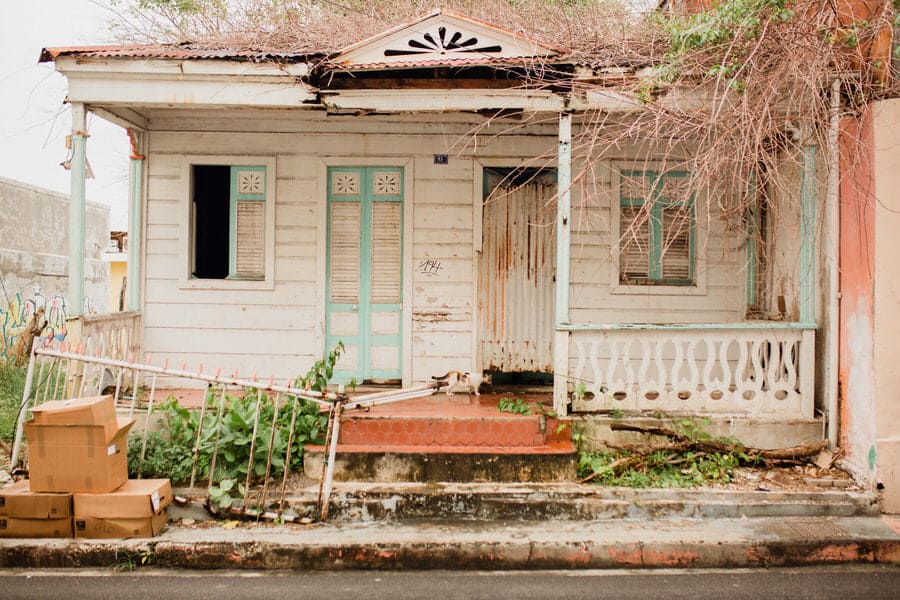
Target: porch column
{"points": [[808, 236], [76, 211], [136, 186], [563, 215]]}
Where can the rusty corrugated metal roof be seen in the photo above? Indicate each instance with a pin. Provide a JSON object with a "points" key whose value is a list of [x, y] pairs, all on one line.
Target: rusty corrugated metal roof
{"points": [[184, 51], [482, 61]]}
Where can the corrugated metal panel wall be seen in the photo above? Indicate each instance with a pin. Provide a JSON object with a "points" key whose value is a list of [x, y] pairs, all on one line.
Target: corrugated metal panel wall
{"points": [[516, 288]]}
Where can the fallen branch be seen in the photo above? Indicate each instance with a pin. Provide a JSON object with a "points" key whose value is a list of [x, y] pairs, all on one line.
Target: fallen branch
{"points": [[5, 447], [794, 452], [682, 443]]}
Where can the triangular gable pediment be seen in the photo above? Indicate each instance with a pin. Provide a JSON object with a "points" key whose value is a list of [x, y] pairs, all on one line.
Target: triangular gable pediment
{"points": [[445, 38]]}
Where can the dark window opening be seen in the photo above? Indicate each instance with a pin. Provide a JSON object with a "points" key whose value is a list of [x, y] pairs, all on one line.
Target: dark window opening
{"points": [[212, 188]]}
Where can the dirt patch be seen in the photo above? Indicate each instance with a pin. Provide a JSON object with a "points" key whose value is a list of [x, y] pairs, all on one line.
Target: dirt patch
{"points": [[797, 478]]}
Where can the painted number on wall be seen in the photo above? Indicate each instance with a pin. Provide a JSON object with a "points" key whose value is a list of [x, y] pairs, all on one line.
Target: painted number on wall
{"points": [[429, 267]]}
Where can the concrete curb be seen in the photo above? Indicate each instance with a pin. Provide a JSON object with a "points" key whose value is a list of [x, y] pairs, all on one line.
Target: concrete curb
{"points": [[709, 543], [366, 502]]}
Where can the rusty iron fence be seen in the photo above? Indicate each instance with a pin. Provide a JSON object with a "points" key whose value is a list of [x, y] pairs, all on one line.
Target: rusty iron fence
{"points": [[57, 371]]}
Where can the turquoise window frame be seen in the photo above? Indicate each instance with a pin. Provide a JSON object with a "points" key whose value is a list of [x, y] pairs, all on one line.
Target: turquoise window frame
{"points": [[656, 234], [234, 198]]}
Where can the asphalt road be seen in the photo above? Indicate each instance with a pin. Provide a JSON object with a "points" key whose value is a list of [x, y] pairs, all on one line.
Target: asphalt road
{"points": [[845, 583]]}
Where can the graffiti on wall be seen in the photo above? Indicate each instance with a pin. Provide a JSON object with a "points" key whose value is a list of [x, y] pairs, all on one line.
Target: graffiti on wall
{"points": [[17, 313]]}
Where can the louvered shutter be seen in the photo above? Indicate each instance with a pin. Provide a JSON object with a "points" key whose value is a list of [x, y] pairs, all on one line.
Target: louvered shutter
{"points": [[345, 252], [386, 248], [676, 247], [676, 212], [634, 255], [248, 222]]}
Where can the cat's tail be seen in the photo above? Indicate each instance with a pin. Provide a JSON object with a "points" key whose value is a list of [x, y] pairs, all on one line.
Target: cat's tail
{"points": [[443, 377]]}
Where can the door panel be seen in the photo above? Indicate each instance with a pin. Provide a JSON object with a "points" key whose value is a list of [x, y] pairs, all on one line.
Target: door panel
{"points": [[516, 281], [365, 258]]}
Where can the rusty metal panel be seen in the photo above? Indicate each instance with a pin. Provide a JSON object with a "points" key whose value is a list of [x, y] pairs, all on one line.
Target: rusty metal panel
{"points": [[516, 288]]}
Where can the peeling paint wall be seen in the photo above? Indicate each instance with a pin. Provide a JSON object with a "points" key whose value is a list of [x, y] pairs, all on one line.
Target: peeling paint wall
{"points": [[34, 261], [884, 454], [857, 302]]}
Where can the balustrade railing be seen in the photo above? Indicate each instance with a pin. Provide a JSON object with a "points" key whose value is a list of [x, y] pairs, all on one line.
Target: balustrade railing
{"points": [[115, 335], [708, 370]]}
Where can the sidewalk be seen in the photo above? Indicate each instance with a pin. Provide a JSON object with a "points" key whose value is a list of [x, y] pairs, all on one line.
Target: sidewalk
{"points": [[726, 531]]}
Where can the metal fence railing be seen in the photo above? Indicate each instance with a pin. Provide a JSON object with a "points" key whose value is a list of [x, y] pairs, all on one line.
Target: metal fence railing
{"points": [[59, 371]]}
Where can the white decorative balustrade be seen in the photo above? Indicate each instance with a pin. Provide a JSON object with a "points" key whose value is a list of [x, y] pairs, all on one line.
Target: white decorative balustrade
{"points": [[115, 335], [713, 370]]}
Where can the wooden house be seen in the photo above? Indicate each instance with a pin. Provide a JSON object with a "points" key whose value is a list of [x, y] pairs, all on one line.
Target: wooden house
{"points": [[415, 199]]}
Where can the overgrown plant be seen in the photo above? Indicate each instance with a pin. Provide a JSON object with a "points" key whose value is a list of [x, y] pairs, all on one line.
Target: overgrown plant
{"points": [[516, 406], [699, 459], [227, 432], [170, 452], [12, 385]]}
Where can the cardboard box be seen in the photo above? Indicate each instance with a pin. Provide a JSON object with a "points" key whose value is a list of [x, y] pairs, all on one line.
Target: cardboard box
{"points": [[18, 501], [10, 527], [135, 499], [77, 458], [96, 410], [95, 527]]}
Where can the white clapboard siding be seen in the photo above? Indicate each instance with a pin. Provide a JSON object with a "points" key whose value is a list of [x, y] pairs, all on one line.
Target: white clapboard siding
{"points": [[442, 203]]}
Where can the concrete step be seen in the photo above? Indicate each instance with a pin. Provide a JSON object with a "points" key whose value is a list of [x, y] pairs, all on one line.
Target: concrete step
{"points": [[498, 429], [353, 502], [553, 461]]}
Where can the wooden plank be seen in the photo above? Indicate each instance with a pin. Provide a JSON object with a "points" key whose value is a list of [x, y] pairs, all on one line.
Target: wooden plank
{"points": [[443, 217], [295, 269], [163, 232], [511, 146], [432, 272], [212, 342], [170, 290], [190, 315], [443, 193], [439, 236], [426, 367], [443, 251], [284, 367]]}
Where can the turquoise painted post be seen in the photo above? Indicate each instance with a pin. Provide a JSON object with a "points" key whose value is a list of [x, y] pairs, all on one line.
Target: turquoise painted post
{"points": [[135, 179], [76, 211], [752, 233], [808, 236], [563, 216]]}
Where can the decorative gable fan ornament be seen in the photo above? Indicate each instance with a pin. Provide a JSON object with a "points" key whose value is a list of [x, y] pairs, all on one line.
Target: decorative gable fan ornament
{"points": [[442, 43], [441, 38]]}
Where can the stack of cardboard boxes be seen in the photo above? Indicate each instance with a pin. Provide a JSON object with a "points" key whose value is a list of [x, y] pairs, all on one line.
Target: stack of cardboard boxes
{"points": [[78, 478]]}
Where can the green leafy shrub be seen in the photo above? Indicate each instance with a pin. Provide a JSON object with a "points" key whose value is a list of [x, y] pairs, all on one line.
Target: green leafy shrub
{"points": [[169, 453], [230, 436], [517, 406], [12, 384]]}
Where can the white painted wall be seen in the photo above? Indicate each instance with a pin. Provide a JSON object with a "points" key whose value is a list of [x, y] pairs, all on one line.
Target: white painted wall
{"points": [[34, 261]]}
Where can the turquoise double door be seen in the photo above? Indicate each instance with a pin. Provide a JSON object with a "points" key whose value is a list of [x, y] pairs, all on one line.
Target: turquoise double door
{"points": [[364, 292]]}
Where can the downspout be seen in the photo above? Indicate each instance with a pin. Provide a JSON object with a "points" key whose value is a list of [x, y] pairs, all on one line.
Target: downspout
{"points": [[833, 256], [76, 211], [136, 186]]}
